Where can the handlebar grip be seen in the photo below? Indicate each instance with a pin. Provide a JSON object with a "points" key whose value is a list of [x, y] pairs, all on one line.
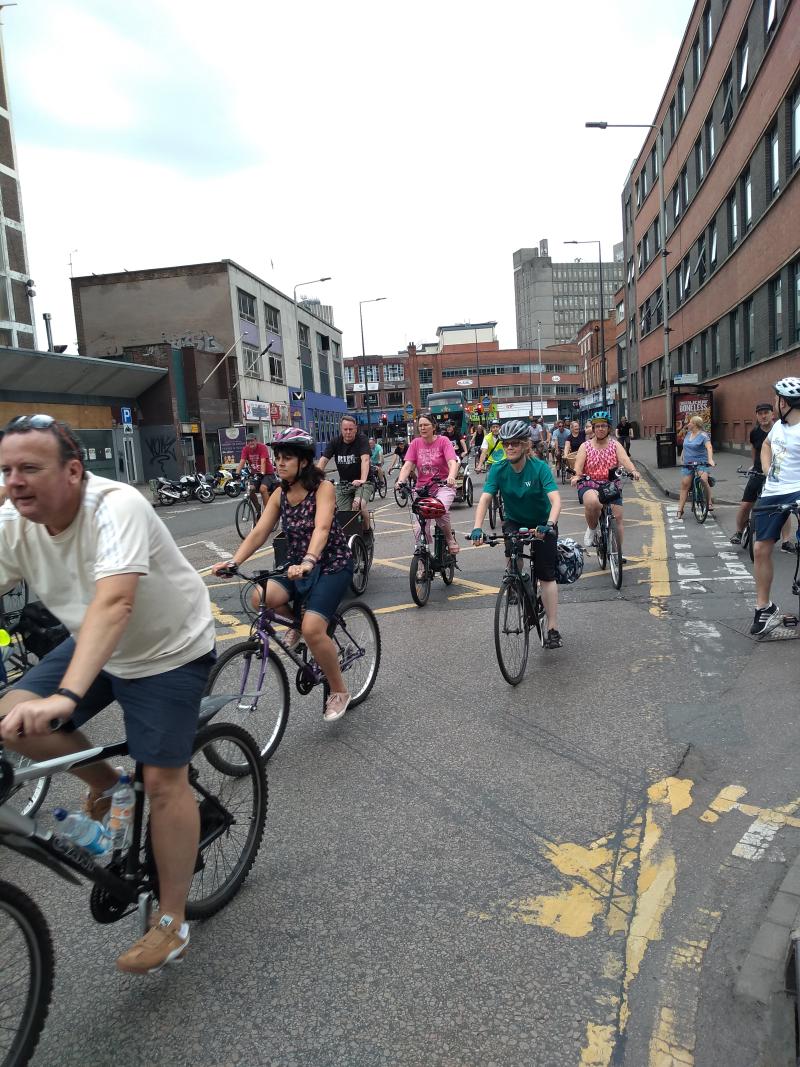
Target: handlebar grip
{"points": [[228, 570]]}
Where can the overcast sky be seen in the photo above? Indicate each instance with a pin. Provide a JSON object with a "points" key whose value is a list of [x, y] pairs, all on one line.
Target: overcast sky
{"points": [[404, 149]]}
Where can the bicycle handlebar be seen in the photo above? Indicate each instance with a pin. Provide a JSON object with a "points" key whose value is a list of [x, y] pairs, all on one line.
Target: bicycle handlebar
{"points": [[231, 569], [749, 471]]}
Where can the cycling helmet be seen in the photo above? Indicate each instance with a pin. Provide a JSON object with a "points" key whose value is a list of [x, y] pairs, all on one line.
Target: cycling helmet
{"points": [[429, 507], [600, 416], [514, 429], [569, 561], [789, 389], [295, 439]]}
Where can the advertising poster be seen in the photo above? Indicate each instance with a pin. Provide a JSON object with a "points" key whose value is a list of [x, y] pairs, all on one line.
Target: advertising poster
{"points": [[231, 443], [685, 405]]}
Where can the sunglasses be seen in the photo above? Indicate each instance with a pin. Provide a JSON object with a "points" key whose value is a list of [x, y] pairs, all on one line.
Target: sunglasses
{"points": [[23, 423], [515, 444]]}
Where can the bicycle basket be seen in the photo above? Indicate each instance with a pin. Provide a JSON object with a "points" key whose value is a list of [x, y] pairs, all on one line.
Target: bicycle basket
{"points": [[569, 561], [429, 508], [608, 493]]}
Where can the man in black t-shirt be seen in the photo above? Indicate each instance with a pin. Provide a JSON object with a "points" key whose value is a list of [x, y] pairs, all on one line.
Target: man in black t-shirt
{"points": [[459, 444], [350, 451], [624, 433], [398, 455], [752, 489]]}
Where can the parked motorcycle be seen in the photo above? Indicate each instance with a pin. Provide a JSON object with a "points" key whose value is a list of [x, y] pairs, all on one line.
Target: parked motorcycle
{"points": [[189, 487], [224, 481]]}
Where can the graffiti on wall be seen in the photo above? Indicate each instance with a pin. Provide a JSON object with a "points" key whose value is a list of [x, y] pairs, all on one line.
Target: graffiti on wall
{"points": [[159, 452]]}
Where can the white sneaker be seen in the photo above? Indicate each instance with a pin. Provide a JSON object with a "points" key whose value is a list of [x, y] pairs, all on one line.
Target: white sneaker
{"points": [[588, 537]]}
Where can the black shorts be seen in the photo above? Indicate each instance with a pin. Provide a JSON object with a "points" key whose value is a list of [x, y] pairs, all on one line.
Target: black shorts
{"points": [[544, 553], [268, 480], [752, 488]]}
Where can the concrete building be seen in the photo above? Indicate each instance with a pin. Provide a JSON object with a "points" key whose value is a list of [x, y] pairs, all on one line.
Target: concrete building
{"points": [[729, 130], [285, 364], [16, 287], [560, 296]]}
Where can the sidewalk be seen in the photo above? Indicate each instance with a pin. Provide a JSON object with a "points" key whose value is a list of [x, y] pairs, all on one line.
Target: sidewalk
{"points": [[728, 489]]}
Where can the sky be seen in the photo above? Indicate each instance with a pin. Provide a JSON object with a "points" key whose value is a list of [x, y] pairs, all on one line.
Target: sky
{"points": [[406, 150]]}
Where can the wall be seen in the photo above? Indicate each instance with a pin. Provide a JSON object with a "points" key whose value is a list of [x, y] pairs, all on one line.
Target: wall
{"points": [[160, 452]]}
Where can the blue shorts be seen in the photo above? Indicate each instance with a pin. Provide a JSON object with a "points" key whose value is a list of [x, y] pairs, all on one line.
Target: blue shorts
{"points": [[160, 711], [325, 593], [768, 524], [688, 471]]}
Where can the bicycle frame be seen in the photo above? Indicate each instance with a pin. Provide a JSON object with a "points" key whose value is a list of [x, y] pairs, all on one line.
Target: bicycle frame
{"points": [[514, 572]]}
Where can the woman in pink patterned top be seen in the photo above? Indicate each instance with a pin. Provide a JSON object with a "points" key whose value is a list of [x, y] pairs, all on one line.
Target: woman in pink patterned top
{"points": [[596, 458], [433, 456]]}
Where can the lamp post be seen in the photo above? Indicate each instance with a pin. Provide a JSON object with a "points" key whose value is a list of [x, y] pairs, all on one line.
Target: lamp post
{"points": [[541, 395], [314, 281], [478, 365], [374, 300], [662, 215], [603, 378]]}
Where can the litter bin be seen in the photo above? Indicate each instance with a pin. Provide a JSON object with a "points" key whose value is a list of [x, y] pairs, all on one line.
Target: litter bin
{"points": [[666, 449]]}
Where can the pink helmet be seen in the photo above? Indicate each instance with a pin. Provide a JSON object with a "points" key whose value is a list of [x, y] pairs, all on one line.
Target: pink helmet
{"points": [[295, 439]]}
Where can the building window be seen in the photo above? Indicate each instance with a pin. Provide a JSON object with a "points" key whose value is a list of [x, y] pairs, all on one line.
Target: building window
{"points": [[394, 399], [712, 245], [349, 376], [662, 377], [272, 319], [796, 298], [775, 314], [306, 367], [736, 337], [715, 348], [303, 334], [638, 189], [703, 355], [685, 187], [393, 372], [247, 305], [743, 55], [657, 234], [771, 13], [733, 219], [773, 161], [646, 248], [644, 181], [749, 323], [276, 367], [679, 284], [700, 269], [659, 306], [699, 160], [708, 29], [697, 59], [796, 127], [252, 362], [630, 271], [711, 146], [727, 98], [672, 124], [747, 199], [681, 99], [426, 376], [654, 161], [676, 202], [687, 277]]}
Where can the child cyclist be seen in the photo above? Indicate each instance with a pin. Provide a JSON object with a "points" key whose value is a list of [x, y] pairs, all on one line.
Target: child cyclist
{"points": [[531, 499], [320, 563]]}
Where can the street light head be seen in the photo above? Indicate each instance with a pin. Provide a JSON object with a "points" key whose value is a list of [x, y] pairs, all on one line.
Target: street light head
{"points": [[326, 279], [596, 125]]}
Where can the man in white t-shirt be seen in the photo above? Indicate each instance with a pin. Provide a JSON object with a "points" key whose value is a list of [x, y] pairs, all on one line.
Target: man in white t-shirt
{"points": [[142, 634], [780, 458]]}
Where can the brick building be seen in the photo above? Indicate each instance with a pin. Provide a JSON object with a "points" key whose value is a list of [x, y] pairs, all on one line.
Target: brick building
{"points": [[729, 124], [590, 342], [387, 393]]}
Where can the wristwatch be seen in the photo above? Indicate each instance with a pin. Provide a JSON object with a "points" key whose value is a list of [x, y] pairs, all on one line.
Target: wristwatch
{"points": [[62, 692]]}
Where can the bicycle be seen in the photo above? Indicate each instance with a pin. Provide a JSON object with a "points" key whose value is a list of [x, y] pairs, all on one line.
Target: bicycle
{"points": [[401, 497], [377, 478], [748, 533], [253, 671], [562, 467], [425, 565], [698, 491], [519, 606], [232, 813], [607, 543], [248, 510]]}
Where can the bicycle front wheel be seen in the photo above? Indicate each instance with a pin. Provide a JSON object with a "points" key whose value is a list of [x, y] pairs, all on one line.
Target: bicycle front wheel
{"points": [[511, 631], [358, 550], [614, 552], [358, 641], [419, 577], [245, 518], [261, 698], [602, 541], [26, 979], [700, 500], [493, 512], [233, 809], [28, 796], [501, 509], [382, 488], [400, 497]]}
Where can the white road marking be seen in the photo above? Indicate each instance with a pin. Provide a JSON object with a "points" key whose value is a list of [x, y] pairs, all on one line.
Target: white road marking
{"points": [[756, 839]]}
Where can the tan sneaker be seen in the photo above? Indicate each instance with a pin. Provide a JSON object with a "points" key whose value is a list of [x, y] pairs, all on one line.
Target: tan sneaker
{"points": [[159, 946], [336, 706]]}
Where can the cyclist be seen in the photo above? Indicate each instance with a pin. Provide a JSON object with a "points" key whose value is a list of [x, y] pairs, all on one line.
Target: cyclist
{"points": [[351, 452], [573, 443], [531, 500], [457, 440], [780, 457], [256, 457], [559, 438], [539, 436], [433, 456], [624, 433], [765, 416], [597, 457], [376, 460], [398, 455], [697, 448], [477, 439], [320, 563], [142, 634], [492, 450]]}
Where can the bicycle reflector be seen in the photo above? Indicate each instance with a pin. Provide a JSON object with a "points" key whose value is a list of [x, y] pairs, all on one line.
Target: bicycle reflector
{"points": [[430, 508]]}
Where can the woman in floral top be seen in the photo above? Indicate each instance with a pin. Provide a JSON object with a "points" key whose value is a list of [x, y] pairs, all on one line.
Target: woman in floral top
{"points": [[320, 563]]}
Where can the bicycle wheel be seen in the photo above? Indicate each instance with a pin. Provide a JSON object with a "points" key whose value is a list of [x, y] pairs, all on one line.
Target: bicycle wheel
{"points": [[493, 512], [13, 602], [511, 631], [449, 570], [263, 709], [233, 809], [358, 550], [748, 537], [26, 977], [419, 577], [501, 510], [28, 796], [602, 542], [382, 488], [468, 493], [699, 501], [400, 497], [245, 517], [358, 640], [614, 552], [542, 623]]}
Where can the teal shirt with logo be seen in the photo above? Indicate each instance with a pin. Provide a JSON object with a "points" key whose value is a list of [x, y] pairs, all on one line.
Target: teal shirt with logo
{"points": [[524, 494]]}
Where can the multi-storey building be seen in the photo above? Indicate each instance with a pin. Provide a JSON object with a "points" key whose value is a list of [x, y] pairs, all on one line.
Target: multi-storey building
{"points": [[729, 131], [553, 300], [593, 339], [387, 391]]}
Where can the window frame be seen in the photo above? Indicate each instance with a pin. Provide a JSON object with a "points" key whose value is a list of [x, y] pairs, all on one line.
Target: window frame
{"points": [[248, 316], [252, 363]]}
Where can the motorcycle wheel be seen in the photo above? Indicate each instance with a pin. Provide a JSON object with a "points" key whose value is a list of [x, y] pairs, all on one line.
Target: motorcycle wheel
{"points": [[205, 493], [233, 489], [165, 501]]}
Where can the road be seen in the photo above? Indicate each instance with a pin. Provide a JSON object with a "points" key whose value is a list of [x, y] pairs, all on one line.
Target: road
{"points": [[462, 873]]}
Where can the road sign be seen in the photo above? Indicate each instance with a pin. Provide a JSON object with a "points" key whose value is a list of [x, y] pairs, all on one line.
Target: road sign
{"points": [[683, 379], [296, 396], [409, 409], [487, 400], [126, 415], [127, 429]]}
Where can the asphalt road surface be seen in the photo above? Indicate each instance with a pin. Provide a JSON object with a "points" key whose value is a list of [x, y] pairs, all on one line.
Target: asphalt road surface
{"points": [[463, 873]]}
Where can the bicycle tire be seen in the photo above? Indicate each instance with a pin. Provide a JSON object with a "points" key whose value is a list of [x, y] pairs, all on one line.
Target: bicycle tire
{"points": [[13, 602], [511, 629], [542, 622], [750, 535], [31, 794], [614, 552], [264, 712], [699, 501], [468, 493], [245, 517], [449, 570], [345, 633], [501, 509], [35, 941], [419, 577], [602, 543], [400, 498], [382, 488], [493, 512], [358, 550]]}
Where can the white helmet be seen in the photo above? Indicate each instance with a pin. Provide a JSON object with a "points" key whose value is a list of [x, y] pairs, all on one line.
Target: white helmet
{"points": [[789, 389]]}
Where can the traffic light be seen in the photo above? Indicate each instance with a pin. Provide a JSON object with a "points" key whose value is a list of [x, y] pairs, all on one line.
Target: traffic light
{"points": [[480, 409]]}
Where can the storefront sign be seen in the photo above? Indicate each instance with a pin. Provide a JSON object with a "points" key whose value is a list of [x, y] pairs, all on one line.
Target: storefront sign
{"points": [[256, 411], [464, 381]]}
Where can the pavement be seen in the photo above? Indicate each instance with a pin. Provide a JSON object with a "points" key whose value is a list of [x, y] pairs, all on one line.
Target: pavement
{"points": [[667, 480]]}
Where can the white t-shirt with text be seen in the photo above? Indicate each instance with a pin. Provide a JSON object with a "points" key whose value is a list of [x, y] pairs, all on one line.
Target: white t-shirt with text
{"points": [[783, 476]]}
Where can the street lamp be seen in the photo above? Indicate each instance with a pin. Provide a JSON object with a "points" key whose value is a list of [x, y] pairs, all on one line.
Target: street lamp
{"points": [[314, 281], [541, 394], [603, 382], [662, 215], [478, 367], [374, 300]]}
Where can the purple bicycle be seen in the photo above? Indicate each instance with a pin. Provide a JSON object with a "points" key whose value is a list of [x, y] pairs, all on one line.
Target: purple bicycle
{"points": [[253, 670]]}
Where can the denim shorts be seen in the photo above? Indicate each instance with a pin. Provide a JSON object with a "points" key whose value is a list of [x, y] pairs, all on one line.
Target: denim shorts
{"points": [[768, 524], [160, 711], [325, 594]]}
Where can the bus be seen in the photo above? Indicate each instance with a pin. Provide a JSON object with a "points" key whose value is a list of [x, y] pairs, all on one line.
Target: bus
{"points": [[449, 406]]}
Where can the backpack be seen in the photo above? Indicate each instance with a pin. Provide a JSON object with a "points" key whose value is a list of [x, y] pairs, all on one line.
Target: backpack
{"points": [[40, 630]]}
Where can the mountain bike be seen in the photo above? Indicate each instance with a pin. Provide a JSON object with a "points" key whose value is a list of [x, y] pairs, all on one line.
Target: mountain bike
{"points": [[253, 671], [698, 491], [232, 815], [519, 607], [607, 542], [426, 564]]}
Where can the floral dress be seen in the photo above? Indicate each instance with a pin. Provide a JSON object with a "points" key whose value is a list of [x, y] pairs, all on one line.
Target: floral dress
{"points": [[297, 522]]}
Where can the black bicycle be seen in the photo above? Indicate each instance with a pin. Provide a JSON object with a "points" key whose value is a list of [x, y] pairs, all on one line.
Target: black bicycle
{"points": [[608, 543], [748, 533], [253, 671], [232, 815], [426, 564], [400, 495], [519, 607], [496, 510], [698, 491]]}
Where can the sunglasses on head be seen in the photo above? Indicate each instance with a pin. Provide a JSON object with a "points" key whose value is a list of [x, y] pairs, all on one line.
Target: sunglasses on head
{"points": [[22, 423]]}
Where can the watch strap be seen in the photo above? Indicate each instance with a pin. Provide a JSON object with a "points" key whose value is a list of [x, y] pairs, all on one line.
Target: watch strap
{"points": [[62, 692]]}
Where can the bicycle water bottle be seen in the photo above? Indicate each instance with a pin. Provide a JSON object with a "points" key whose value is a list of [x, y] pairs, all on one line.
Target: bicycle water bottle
{"points": [[86, 832], [120, 817]]}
